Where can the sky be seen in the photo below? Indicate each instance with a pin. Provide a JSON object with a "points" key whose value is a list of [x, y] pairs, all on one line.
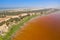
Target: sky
{"points": [[29, 3]]}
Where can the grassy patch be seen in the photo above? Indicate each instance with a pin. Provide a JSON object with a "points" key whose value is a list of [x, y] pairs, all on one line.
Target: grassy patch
{"points": [[1, 37]]}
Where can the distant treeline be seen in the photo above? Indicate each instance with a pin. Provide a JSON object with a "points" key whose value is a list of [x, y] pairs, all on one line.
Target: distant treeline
{"points": [[7, 13]]}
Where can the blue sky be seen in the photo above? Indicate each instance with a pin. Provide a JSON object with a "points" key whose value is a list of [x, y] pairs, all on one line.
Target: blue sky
{"points": [[29, 3]]}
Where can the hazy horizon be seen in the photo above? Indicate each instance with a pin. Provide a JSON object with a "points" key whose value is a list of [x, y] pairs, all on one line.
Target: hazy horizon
{"points": [[6, 4]]}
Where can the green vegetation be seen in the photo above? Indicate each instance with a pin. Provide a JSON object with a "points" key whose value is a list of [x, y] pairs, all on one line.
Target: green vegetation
{"points": [[16, 27], [1, 37], [2, 23]]}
